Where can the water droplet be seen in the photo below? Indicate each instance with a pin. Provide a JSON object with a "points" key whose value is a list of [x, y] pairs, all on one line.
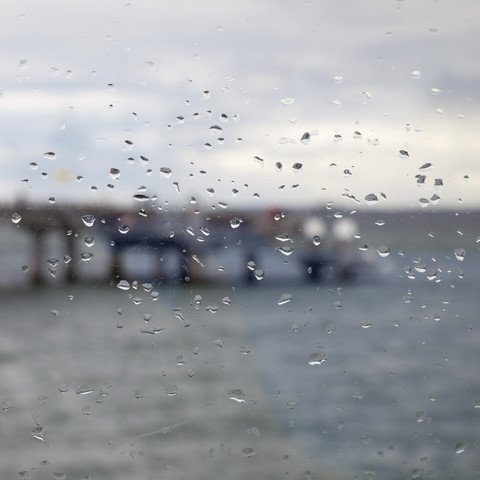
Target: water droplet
{"points": [[460, 447], [435, 91], [284, 298], [50, 155], [139, 393], [297, 167], [226, 301], [123, 229], [459, 254], [287, 250], [88, 220], [86, 256], [89, 241], [259, 160], [383, 250], [287, 101], [438, 182], [366, 324], [16, 217], [305, 138], [39, 433], [371, 199], [140, 197], [166, 172], [258, 274], [114, 173], [283, 237], [249, 452], [237, 394], [171, 390], [244, 349], [235, 222], [416, 74], [123, 285], [425, 167], [403, 154], [317, 358]]}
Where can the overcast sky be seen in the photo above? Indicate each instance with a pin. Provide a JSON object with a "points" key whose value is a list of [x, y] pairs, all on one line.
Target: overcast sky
{"points": [[136, 86]]}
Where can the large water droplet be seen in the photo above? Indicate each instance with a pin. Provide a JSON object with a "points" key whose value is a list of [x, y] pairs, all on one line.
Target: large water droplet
{"points": [[371, 199], [123, 229], [459, 254]]}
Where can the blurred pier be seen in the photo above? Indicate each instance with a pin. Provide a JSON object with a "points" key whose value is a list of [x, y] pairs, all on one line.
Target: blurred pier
{"points": [[191, 245]]}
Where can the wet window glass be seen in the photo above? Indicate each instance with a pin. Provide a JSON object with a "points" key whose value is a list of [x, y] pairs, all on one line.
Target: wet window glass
{"points": [[239, 239]]}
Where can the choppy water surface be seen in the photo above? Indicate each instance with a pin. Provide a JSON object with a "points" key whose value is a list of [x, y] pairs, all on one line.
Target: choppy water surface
{"points": [[364, 381]]}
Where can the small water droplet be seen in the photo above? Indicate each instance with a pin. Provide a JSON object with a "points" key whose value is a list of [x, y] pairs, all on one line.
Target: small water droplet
{"points": [[287, 101], [366, 324], [86, 256], [123, 285], [244, 349], [258, 274], [425, 167], [123, 229], [140, 197], [459, 254], [297, 167], [416, 74], [460, 447], [16, 217], [88, 220], [287, 250], [403, 154], [371, 199], [89, 241], [165, 172], [171, 390], [317, 358], [284, 298], [235, 222], [249, 452], [383, 250], [237, 394], [305, 138], [114, 173], [50, 155]]}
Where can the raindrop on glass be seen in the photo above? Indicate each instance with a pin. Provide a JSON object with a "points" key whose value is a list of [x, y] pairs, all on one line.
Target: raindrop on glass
{"points": [[88, 220], [284, 298], [317, 358]]}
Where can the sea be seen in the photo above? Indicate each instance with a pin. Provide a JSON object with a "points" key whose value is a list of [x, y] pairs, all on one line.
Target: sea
{"points": [[373, 378]]}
